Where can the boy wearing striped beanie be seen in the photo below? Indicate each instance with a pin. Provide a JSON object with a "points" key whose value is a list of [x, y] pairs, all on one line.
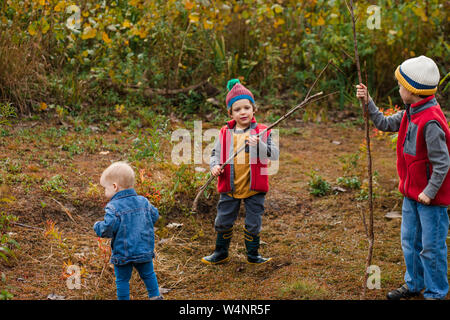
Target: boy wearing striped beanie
{"points": [[423, 162], [245, 178]]}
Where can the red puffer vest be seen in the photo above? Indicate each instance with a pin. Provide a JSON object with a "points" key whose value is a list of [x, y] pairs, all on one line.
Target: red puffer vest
{"points": [[259, 179], [413, 166]]}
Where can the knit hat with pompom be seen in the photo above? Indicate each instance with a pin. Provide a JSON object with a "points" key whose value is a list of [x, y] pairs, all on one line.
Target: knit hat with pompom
{"points": [[419, 75], [236, 91]]}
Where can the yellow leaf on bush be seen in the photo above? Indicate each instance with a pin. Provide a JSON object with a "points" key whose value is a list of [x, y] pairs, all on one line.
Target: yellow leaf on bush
{"points": [[320, 21], [119, 108], [126, 24], [421, 13], [59, 6], [194, 17], [32, 29], [42, 106], [208, 24], [142, 34], [42, 2], [45, 26], [188, 5], [88, 33], [277, 8], [278, 22], [106, 38]]}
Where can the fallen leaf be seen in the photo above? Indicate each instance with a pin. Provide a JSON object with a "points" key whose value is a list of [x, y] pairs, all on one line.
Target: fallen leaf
{"points": [[164, 290], [174, 225], [53, 296], [393, 215]]}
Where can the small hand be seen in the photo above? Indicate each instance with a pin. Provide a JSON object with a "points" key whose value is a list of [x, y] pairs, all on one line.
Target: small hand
{"points": [[215, 171], [424, 199], [361, 93], [253, 141]]}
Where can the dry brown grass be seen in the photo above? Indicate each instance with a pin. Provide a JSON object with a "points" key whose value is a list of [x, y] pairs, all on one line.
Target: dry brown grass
{"points": [[22, 70], [318, 245]]}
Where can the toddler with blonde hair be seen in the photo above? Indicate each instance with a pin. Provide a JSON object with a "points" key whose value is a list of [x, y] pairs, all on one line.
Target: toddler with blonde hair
{"points": [[129, 222]]}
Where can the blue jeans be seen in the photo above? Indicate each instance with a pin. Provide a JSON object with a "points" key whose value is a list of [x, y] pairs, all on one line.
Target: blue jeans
{"points": [[123, 276], [424, 232]]}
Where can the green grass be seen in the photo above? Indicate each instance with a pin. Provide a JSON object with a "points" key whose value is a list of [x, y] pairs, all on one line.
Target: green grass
{"points": [[302, 289]]}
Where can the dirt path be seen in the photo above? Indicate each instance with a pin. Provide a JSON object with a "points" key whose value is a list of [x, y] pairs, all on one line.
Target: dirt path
{"points": [[317, 243]]}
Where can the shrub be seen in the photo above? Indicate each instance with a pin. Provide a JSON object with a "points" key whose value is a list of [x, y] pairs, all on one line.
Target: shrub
{"points": [[318, 186], [349, 182], [273, 46]]}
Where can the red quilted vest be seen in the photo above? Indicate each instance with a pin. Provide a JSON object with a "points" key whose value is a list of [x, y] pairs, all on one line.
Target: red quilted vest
{"points": [[259, 180], [413, 166]]}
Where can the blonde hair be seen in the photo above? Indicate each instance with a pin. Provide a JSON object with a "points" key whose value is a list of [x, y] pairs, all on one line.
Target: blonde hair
{"points": [[118, 172]]}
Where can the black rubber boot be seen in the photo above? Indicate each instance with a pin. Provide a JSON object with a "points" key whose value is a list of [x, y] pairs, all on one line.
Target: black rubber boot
{"points": [[401, 293], [220, 254], [252, 246]]}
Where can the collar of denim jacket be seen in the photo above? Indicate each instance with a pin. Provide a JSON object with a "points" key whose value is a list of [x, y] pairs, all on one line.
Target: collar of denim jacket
{"points": [[123, 194]]}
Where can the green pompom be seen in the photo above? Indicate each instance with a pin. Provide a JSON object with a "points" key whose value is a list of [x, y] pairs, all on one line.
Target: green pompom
{"points": [[231, 83]]}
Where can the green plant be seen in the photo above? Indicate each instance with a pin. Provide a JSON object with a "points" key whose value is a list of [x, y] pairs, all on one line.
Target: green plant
{"points": [[11, 166], [350, 164], [5, 295], [7, 243], [349, 182], [55, 184], [318, 186], [147, 145], [73, 148], [4, 133], [6, 111]]}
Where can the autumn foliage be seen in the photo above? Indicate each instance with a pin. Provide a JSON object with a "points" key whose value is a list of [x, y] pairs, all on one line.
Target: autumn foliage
{"points": [[91, 52]]}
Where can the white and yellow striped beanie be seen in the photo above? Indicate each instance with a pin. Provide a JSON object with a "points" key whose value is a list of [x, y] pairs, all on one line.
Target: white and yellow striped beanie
{"points": [[418, 75]]}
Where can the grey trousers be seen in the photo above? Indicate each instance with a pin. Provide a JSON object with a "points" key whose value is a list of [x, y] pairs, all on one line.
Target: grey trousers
{"points": [[228, 209]]}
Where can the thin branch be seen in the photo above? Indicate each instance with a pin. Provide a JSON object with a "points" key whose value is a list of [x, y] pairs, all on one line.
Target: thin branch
{"points": [[64, 209], [26, 226], [364, 105], [181, 52], [317, 78]]}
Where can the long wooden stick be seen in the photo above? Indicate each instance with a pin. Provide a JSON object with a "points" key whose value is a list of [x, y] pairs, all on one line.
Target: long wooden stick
{"points": [[364, 106]]}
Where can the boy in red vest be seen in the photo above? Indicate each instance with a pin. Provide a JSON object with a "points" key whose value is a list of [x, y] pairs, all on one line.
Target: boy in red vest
{"points": [[246, 178], [422, 164]]}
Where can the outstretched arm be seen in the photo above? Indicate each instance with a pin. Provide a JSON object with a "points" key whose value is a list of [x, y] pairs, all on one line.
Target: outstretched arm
{"points": [[381, 122]]}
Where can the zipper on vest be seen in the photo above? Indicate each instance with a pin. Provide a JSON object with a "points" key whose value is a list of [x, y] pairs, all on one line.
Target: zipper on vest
{"points": [[428, 171]]}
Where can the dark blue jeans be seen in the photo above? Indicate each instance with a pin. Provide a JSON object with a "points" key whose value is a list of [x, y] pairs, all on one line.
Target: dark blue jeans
{"points": [[123, 276]]}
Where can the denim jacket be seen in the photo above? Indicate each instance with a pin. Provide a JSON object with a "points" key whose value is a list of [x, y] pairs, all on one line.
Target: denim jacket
{"points": [[129, 221]]}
